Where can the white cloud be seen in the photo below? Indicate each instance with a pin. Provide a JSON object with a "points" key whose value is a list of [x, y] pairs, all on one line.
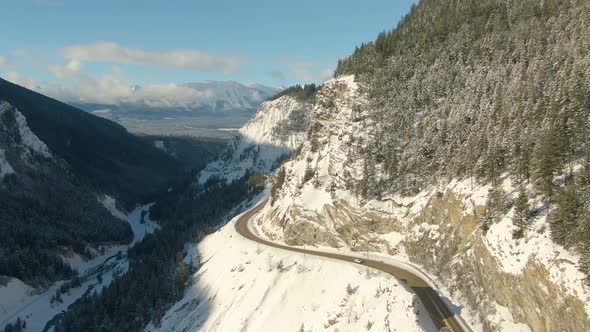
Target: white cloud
{"points": [[77, 86], [188, 59]]}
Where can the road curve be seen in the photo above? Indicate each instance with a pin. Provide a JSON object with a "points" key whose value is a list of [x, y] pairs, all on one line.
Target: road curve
{"points": [[441, 315]]}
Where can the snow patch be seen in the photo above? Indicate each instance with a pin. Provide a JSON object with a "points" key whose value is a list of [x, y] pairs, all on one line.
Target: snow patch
{"points": [[245, 286], [5, 167], [315, 199], [139, 227], [13, 293], [160, 145], [110, 203]]}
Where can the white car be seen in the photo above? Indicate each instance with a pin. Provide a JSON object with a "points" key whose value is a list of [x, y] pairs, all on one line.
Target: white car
{"points": [[359, 261]]}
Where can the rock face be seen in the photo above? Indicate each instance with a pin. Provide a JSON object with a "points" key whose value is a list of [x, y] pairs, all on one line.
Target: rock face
{"points": [[276, 130], [16, 134], [19, 147], [501, 283], [459, 253]]}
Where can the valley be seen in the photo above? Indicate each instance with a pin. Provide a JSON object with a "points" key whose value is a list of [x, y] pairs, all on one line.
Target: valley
{"points": [[434, 178], [38, 307]]}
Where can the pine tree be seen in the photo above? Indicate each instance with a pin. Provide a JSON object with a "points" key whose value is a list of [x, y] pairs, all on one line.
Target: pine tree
{"points": [[563, 219], [521, 214], [181, 273], [546, 162], [278, 182]]}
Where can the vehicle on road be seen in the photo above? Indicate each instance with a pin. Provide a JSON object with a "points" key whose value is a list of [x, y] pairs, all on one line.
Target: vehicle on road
{"points": [[359, 261]]}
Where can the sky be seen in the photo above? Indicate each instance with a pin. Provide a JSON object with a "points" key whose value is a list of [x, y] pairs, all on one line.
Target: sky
{"points": [[94, 50]]}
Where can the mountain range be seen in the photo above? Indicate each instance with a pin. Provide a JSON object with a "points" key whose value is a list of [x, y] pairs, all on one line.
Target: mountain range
{"points": [[456, 144], [193, 109]]}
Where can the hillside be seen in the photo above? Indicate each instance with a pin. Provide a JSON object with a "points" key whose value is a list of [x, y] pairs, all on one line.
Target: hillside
{"points": [[191, 152], [101, 153], [441, 228], [276, 130], [241, 284], [457, 142], [38, 221], [56, 165]]}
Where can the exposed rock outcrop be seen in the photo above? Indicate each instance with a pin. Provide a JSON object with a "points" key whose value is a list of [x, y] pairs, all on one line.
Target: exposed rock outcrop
{"points": [[505, 282]]}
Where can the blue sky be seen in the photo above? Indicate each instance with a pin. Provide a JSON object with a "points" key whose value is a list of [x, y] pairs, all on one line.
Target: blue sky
{"points": [[63, 43]]}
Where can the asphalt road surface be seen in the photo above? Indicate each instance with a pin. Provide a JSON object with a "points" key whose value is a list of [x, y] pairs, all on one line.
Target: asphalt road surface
{"points": [[441, 315]]}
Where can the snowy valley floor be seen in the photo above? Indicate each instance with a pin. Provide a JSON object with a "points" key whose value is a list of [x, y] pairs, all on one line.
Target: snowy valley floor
{"points": [[244, 286]]}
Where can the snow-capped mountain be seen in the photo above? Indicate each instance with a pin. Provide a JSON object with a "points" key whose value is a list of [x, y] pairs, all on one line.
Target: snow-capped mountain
{"points": [[214, 97], [193, 109], [222, 96], [277, 129]]}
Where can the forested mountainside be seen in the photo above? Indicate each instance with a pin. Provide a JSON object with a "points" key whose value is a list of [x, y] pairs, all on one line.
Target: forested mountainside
{"points": [[458, 141], [38, 218], [101, 153], [56, 163], [192, 153], [158, 269], [480, 88]]}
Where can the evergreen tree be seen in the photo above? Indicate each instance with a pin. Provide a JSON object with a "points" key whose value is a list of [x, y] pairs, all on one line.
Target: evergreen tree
{"points": [[521, 214], [182, 272], [278, 182]]}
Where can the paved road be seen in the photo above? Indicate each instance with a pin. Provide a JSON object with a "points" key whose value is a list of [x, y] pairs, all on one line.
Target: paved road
{"points": [[441, 315]]}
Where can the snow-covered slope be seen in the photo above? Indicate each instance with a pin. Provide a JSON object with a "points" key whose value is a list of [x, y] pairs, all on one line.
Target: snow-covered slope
{"points": [[277, 129], [243, 286], [320, 203]]}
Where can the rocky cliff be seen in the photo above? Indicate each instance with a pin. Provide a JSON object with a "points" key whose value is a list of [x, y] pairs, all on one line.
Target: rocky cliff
{"points": [[500, 282], [276, 130]]}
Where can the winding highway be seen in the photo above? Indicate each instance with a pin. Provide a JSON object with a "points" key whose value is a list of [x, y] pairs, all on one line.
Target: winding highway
{"points": [[440, 313]]}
